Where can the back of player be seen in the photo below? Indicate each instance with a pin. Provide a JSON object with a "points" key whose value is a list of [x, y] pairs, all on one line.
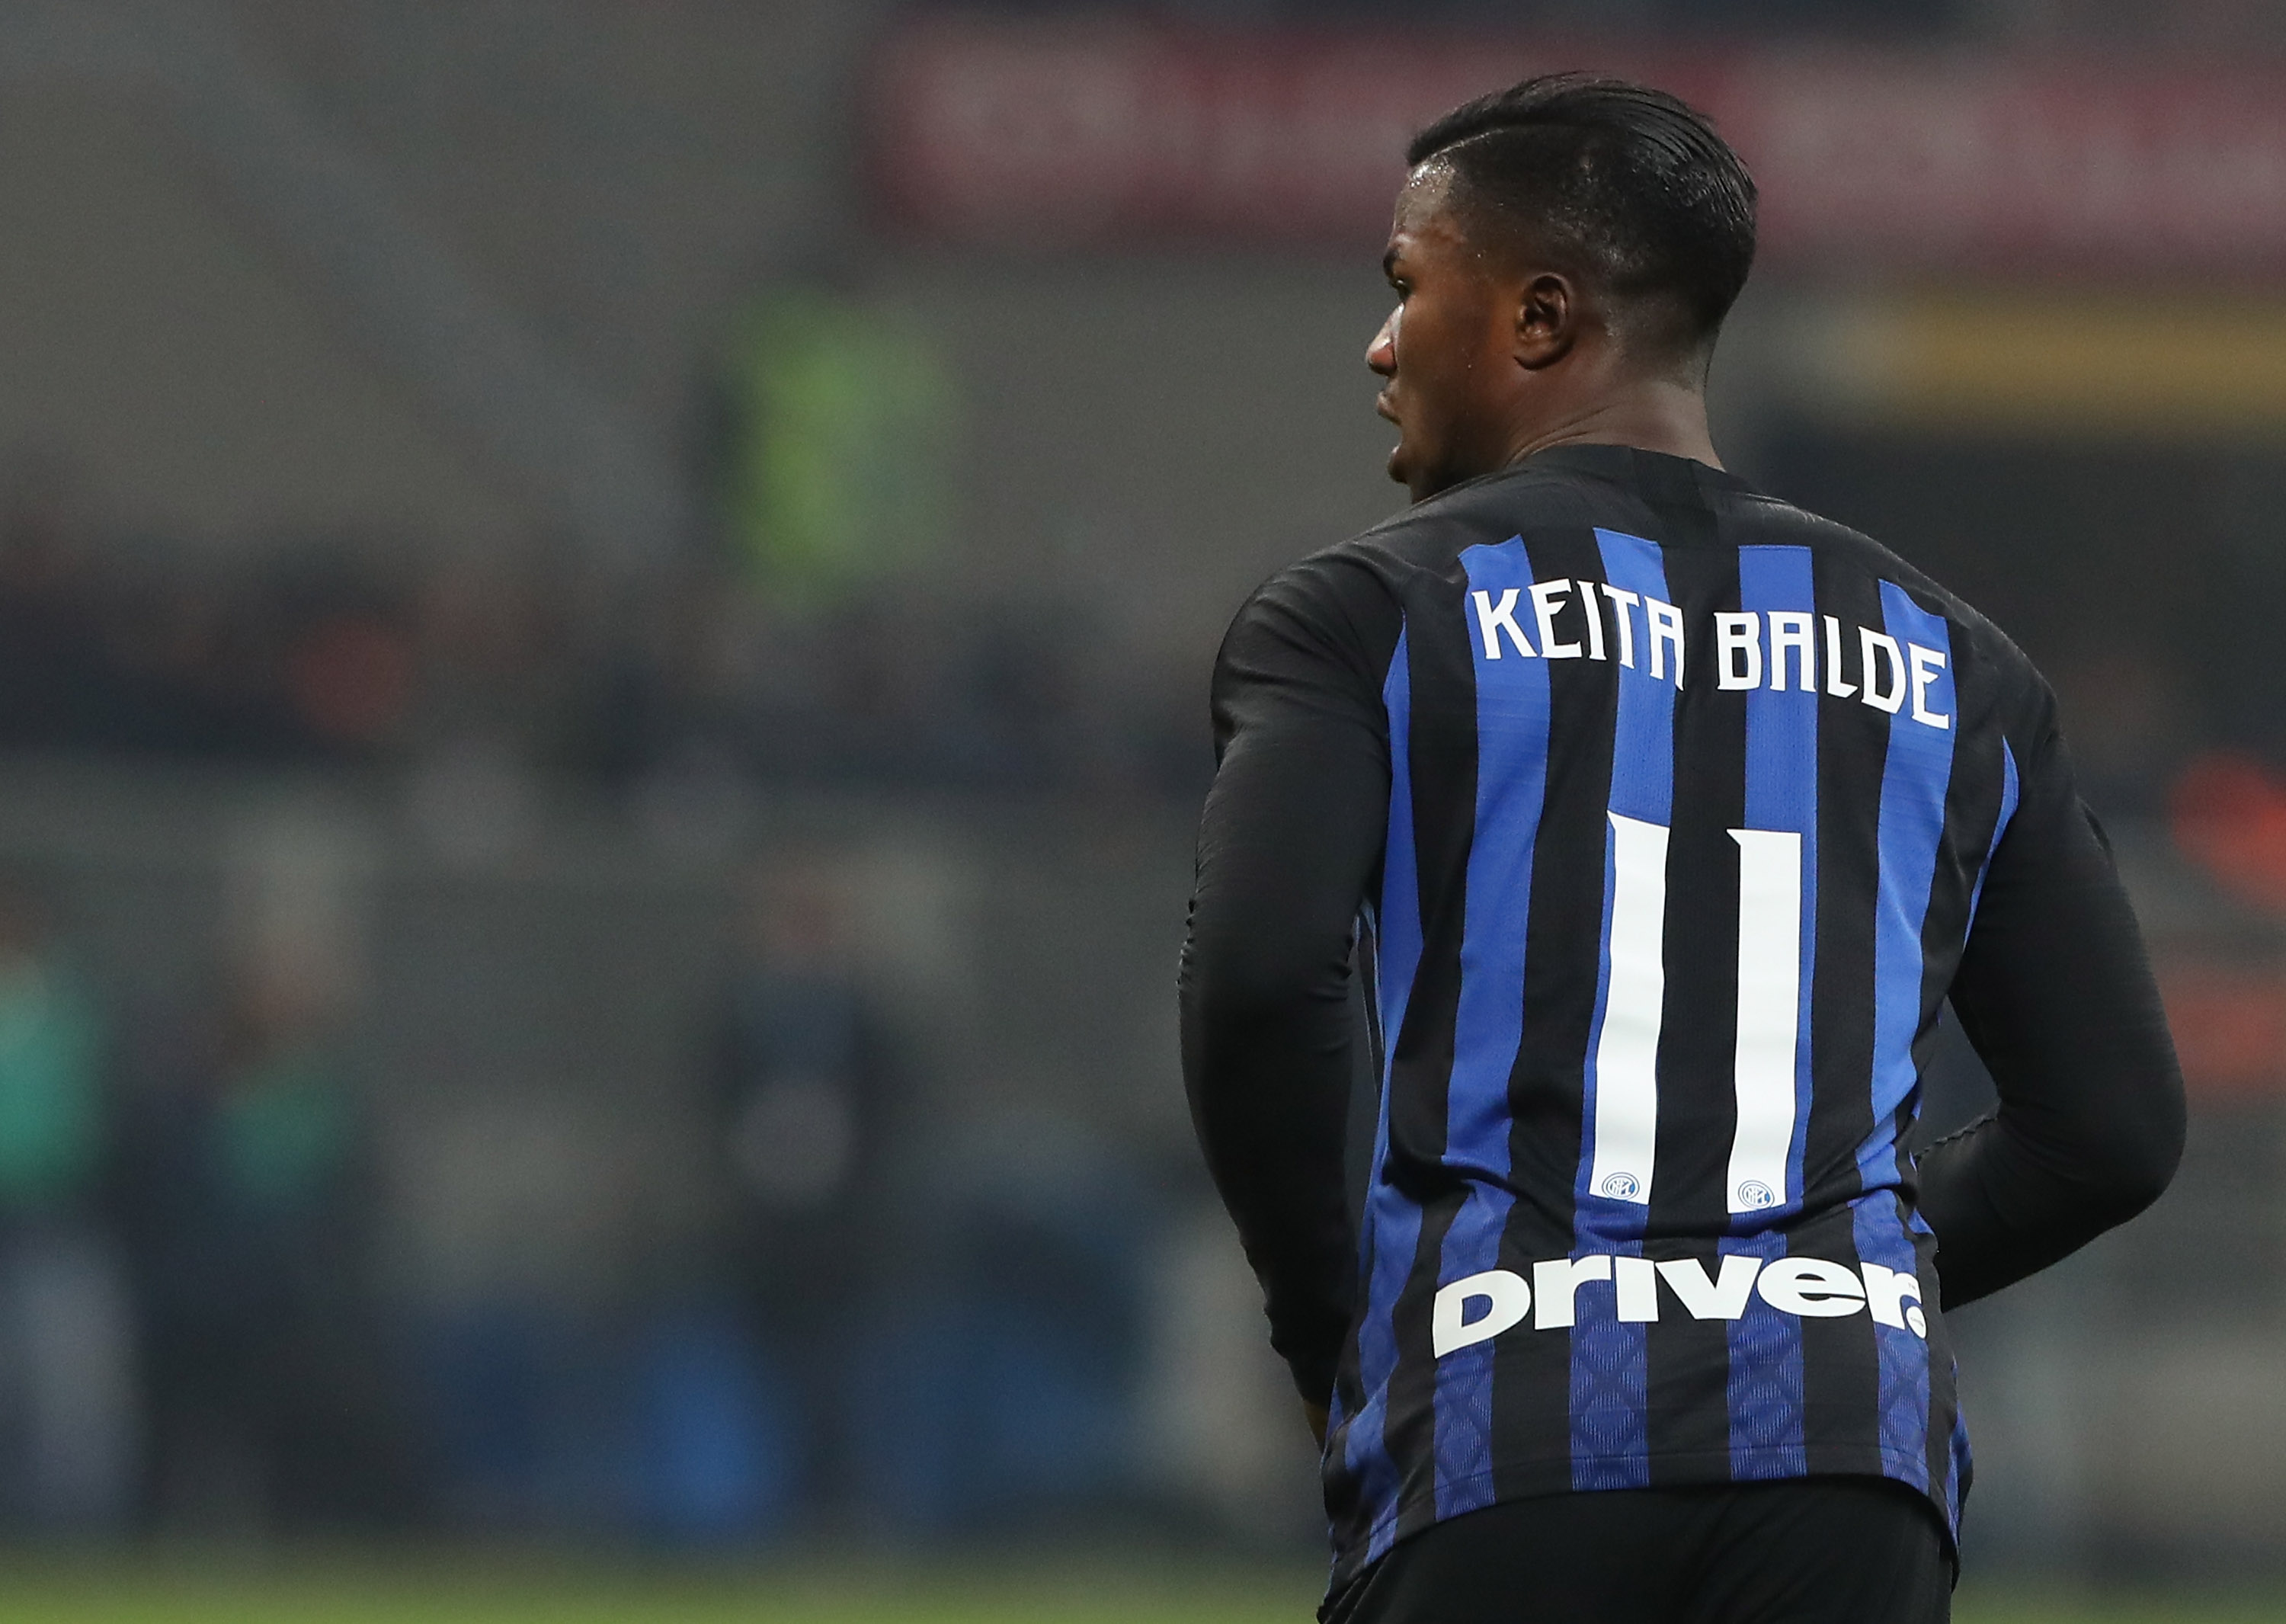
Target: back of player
{"points": [[1664, 818], [1690, 797]]}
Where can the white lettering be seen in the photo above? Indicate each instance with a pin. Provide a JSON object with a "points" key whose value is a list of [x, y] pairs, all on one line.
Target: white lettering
{"points": [[1834, 685], [1546, 598], [1886, 1294], [1769, 1009], [1900, 672], [1492, 620], [1790, 629], [1926, 664], [1554, 1284], [1769, 987], [1811, 1287], [1737, 634], [1482, 1306], [1635, 1001], [1622, 601], [1665, 623], [1595, 619], [1635, 1285], [1508, 1298], [1724, 1297], [1869, 640]]}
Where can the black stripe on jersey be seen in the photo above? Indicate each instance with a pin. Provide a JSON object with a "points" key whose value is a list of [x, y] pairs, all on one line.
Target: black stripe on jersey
{"points": [[1689, 1415], [1840, 1364], [1676, 491], [1349, 1374], [1532, 1374], [1444, 769], [1697, 1110], [1365, 961]]}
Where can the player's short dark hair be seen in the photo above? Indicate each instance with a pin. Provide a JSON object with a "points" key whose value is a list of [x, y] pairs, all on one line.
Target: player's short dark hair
{"points": [[1619, 182]]}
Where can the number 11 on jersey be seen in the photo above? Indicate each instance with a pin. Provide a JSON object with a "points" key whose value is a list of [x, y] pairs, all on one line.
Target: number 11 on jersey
{"points": [[1769, 1014]]}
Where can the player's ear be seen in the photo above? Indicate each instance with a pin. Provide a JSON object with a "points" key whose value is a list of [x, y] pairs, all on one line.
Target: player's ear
{"points": [[1546, 320]]}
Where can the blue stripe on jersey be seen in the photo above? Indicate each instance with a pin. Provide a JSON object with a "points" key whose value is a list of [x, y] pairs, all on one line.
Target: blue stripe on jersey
{"points": [[1511, 778], [1609, 1363], [1958, 1462], [1914, 780], [1765, 1388], [1392, 1225], [1396, 942], [1877, 1225], [2009, 789]]}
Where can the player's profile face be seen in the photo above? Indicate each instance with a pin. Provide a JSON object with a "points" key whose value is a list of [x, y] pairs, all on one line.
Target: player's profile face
{"points": [[1442, 350]]}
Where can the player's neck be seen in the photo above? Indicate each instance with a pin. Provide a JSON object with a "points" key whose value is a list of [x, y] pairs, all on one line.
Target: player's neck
{"points": [[1658, 414]]}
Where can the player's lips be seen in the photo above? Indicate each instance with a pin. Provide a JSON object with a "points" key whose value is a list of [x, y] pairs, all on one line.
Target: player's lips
{"points": [[1381, 404]]}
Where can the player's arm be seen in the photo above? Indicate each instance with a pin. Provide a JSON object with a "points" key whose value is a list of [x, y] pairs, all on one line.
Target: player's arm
{"points": [[2057, 994], [1289, 839]]}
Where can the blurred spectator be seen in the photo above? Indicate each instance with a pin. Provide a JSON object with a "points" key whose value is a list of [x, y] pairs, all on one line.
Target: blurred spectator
{"points": [[804, 1099], [67, 1398], [51, 690], [250, 1198], [479, 675]]}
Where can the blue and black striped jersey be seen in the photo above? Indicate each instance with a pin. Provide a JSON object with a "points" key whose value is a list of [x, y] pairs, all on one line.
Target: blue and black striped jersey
{"points": [[1681, 802]]}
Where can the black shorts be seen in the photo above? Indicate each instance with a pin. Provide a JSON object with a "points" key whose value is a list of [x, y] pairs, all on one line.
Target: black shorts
{"points": [[1811, 1550]]}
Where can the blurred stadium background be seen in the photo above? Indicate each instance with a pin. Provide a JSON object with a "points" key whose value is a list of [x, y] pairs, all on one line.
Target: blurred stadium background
{"points": [[604, 617]]}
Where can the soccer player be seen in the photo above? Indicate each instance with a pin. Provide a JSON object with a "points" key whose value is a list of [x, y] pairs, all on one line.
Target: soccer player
{"points": [[1661, 819]]}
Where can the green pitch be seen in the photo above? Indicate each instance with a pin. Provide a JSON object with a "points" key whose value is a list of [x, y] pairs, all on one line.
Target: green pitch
{"points": [[140, 1591]]}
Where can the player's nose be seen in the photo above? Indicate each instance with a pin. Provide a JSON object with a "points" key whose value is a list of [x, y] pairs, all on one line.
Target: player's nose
{"points": [[1381, 354]]}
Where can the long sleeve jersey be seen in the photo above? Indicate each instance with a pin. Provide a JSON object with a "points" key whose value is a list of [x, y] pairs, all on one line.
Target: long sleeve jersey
{"points": [[1663, 818]]}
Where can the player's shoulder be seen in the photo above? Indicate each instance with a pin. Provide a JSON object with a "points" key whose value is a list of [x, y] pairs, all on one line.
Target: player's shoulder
{"points": [[1363, 579], [1363, 582], [1336, 604], [1776, 521]]}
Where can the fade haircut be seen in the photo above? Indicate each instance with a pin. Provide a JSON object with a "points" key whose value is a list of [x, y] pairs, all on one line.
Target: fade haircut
{"points": [[1615, 182]]}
